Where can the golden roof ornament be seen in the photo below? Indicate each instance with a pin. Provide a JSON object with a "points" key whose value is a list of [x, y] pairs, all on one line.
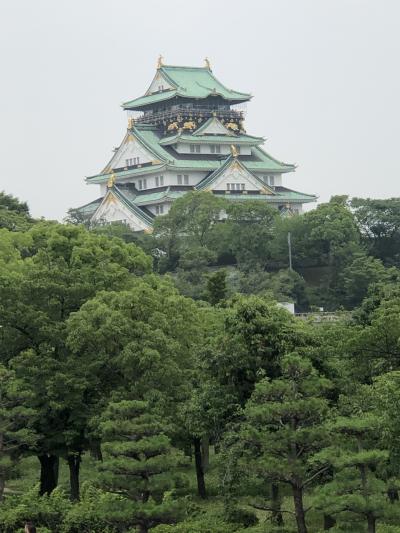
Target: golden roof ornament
{"points": [[234, 151], [111, 181], [207, 63], [131, 123], [160, 61]]}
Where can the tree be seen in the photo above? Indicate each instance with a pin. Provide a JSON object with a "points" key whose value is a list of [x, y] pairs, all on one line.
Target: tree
{"points": [[16, 422], [59, 269], [385, 397], [284, 428], [356, 488], [256, 334], [379, 223], [216, 287], [139, 462], [251, 226], [189, 224], [14, 215], [356, 278], [375, 346], [204, 415]]}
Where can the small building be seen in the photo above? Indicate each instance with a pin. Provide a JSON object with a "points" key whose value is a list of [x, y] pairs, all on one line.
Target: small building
{"points": [[187, 133]]}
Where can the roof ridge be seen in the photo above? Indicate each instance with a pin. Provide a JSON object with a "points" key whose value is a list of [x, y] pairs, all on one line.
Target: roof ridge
{"points": [[185, 67]]}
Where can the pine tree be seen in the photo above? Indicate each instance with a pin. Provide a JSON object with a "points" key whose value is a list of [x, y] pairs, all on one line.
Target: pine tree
{"points": [[16, 420], [139, 462], [356, 488], [285, 429]]}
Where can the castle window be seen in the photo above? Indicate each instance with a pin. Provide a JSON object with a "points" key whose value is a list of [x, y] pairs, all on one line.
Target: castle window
{"points": [[195, 148], [161, 181], [132, 161], [235, 186], [186, 179], [272, 180], [159, 209], [179, 176], [157, 181], [215, 148], [143, 184]]}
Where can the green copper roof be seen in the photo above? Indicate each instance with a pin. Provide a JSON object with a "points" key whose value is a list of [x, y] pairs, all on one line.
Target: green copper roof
{"points": [[208, 123], [221, 139], [90, 208], [265, 162], [131, 205], [145, 199], [279, 197], [188, 82], [133, 172], [151, 140]]}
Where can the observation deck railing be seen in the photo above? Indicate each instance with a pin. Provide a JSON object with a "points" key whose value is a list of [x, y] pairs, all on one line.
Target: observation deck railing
{"points": [[187, 110]]}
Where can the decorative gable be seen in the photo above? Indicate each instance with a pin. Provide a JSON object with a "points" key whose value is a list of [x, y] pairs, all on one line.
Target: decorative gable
{"points": [[233, 175], [159, 84], [112, 209], [131, 152], [213, 126]]}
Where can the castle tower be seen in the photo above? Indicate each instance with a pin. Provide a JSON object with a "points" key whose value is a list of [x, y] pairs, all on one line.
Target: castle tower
{"points": [[187, 133]]}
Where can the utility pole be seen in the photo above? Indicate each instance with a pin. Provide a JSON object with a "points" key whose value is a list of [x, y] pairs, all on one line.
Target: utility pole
{"points": [[290, 250]]}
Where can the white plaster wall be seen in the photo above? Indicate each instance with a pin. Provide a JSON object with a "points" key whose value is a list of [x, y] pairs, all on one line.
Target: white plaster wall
{"points": [[184, 148], [152, 208], [236, 174], [277, 178], [130, 149], [194, 177], [157, 81], [111, 210]]}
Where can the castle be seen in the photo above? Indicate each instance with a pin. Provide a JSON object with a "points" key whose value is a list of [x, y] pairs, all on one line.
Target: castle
{"points": [[187, 133]]}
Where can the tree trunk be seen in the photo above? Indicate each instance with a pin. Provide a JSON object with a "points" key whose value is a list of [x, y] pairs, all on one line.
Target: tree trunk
{"points": [[48, 473], [2, 487], [299, 509], [329, 522], [201, 486], [393, 495], [205, 452], [95, 450], [371, 523], [143, 528], [74, 462], [276, 500]]}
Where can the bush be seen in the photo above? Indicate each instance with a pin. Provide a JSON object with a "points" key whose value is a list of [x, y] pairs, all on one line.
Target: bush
{"points": [[46, 512], [243, 517]]}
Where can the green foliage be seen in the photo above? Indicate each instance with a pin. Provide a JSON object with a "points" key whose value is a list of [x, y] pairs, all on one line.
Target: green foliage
{"points": [[356, 488], [251, 226], [100, 355], [138, 462], [46, 511], [16, 421], [358, 276], [257, 334], [14, 215], [216, 287], [379, 222]]}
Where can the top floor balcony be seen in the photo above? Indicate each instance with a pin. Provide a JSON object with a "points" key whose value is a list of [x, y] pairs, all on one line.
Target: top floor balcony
{"points": [[189, 111]]}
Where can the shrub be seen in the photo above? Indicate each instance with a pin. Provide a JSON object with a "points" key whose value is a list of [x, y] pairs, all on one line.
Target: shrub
{"points": [[46, 512]]}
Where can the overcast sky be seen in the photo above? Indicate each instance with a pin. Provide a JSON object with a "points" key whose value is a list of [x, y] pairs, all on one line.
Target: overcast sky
{"points": [[324, 74]]}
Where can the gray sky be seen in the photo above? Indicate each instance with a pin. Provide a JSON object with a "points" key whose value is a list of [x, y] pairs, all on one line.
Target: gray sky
{"points": [[324, 75]]}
